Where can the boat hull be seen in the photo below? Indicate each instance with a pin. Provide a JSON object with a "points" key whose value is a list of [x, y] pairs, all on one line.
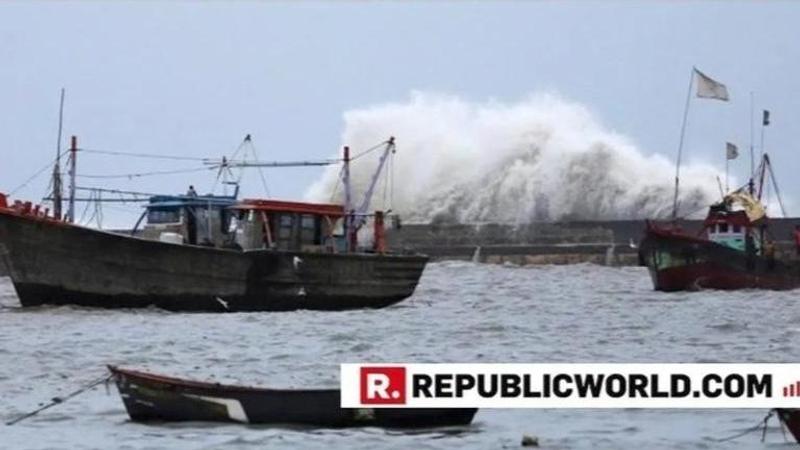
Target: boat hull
{"points": [[155, 398], [680, 262], [790, 418], [51, 262]]}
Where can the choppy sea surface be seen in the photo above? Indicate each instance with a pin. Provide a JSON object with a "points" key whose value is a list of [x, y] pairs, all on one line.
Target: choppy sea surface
{"points": [[461, 312]]}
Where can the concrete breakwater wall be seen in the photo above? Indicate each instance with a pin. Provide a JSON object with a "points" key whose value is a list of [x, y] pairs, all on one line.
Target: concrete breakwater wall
{"points": [[611, 242]]}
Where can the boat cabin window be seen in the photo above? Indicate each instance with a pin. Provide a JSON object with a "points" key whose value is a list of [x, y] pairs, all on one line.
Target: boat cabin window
{"points": [[196, 220], [284, 239], [162, 216], [732, 236], [309, 230]]}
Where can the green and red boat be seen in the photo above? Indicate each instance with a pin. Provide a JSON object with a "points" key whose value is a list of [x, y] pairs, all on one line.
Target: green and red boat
{"points": [[734, 249]]}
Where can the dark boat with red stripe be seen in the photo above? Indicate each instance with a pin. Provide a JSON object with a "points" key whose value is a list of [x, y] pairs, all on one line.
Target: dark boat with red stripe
{"points": [[733, 250], [156, 398]]}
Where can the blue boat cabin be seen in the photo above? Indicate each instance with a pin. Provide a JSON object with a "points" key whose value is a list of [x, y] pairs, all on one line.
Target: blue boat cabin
{"points": [[189, 219]]}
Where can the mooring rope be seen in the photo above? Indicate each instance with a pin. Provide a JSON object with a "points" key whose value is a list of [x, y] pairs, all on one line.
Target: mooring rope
{"points": [[58, 400], [762, 425]]}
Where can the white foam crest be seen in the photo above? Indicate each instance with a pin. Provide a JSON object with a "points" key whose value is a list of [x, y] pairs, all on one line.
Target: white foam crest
{"points": [[543, 158]]}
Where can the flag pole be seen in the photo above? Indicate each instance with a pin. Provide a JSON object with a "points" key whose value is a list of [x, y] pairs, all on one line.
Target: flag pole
{"points": [[727, 163], [761, 153], [680, 146]]}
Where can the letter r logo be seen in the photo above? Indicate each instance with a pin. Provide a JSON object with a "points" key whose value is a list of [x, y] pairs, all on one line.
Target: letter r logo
{"points": [[383, 385]]}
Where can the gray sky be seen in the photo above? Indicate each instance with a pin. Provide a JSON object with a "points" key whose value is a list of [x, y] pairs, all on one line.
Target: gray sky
{"points": [[193, 79]]}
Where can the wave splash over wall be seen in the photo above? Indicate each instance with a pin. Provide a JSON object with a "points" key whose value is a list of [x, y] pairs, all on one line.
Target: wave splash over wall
{"points": [[544, 158]]}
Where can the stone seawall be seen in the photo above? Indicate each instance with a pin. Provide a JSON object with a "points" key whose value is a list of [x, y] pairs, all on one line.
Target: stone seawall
{"points": [[611, 242]]}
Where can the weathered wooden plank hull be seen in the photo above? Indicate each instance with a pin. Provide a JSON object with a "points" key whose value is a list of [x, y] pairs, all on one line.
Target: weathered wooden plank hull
{"points": [[150, 397], [679, 262], [55, 263]]}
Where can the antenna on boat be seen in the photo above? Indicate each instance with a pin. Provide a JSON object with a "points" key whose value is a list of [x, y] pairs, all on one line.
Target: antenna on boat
{"points": [[57, 191]]}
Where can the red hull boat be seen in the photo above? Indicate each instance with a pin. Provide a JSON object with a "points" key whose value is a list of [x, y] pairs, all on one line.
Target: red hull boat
{"points": [[734, 250], [679, 262]]}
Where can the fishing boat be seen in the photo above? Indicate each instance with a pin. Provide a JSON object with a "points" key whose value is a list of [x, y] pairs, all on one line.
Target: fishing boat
{"points": [[210, 253], [791, 419], [157, 398], [734, 249]]}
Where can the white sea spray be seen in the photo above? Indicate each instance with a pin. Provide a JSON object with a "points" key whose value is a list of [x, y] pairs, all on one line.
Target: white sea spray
{"points": [[542, 158]]}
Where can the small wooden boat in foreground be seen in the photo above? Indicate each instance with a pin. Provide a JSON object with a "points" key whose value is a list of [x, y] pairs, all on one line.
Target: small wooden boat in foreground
{"points": [[149, 397], [791, 418]]}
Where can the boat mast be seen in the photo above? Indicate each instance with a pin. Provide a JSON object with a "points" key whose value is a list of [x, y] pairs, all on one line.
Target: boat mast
{"points": [[57, 191], [73, 154], [775, 184], [752, 153], [348, 218], [361, 212], [680, 147]]}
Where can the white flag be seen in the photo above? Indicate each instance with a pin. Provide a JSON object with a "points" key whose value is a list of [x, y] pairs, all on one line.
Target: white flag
{"points": [[731, 151], [708, 88]]}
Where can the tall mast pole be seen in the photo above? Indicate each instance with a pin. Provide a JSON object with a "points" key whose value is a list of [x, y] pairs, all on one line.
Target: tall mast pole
{"points": [[348, 220], [680, 147], [763, 150], [57, 191], [752, 153], [73, 154], [752, 132]]}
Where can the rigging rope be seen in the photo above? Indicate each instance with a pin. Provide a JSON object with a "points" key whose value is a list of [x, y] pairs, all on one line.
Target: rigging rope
{"points": [[386, 182], [338, 182], [777, 190], [38, 172], [115, 191], [224, 168], [146, 174], [144, 155], [260, 170], [369, 150], [86, 208]]}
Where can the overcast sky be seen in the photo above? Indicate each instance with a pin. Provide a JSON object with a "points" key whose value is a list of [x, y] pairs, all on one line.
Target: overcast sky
{"points": [[192, 79]]}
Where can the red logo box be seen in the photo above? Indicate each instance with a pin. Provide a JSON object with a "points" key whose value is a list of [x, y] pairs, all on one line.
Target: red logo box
{"points": [[383, 385]]}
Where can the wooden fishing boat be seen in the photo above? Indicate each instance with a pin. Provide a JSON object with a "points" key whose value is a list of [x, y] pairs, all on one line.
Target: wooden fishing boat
{"points": [[54, 262], [734, 250], [791, 419], [209, 253], [149, 397]]}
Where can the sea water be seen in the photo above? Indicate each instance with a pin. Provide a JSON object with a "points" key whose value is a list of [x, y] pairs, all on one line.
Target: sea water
{"points": [[461, 312]]}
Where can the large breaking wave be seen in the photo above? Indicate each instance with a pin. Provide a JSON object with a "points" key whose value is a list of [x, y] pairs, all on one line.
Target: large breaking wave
{"points": [[543, 158]]}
